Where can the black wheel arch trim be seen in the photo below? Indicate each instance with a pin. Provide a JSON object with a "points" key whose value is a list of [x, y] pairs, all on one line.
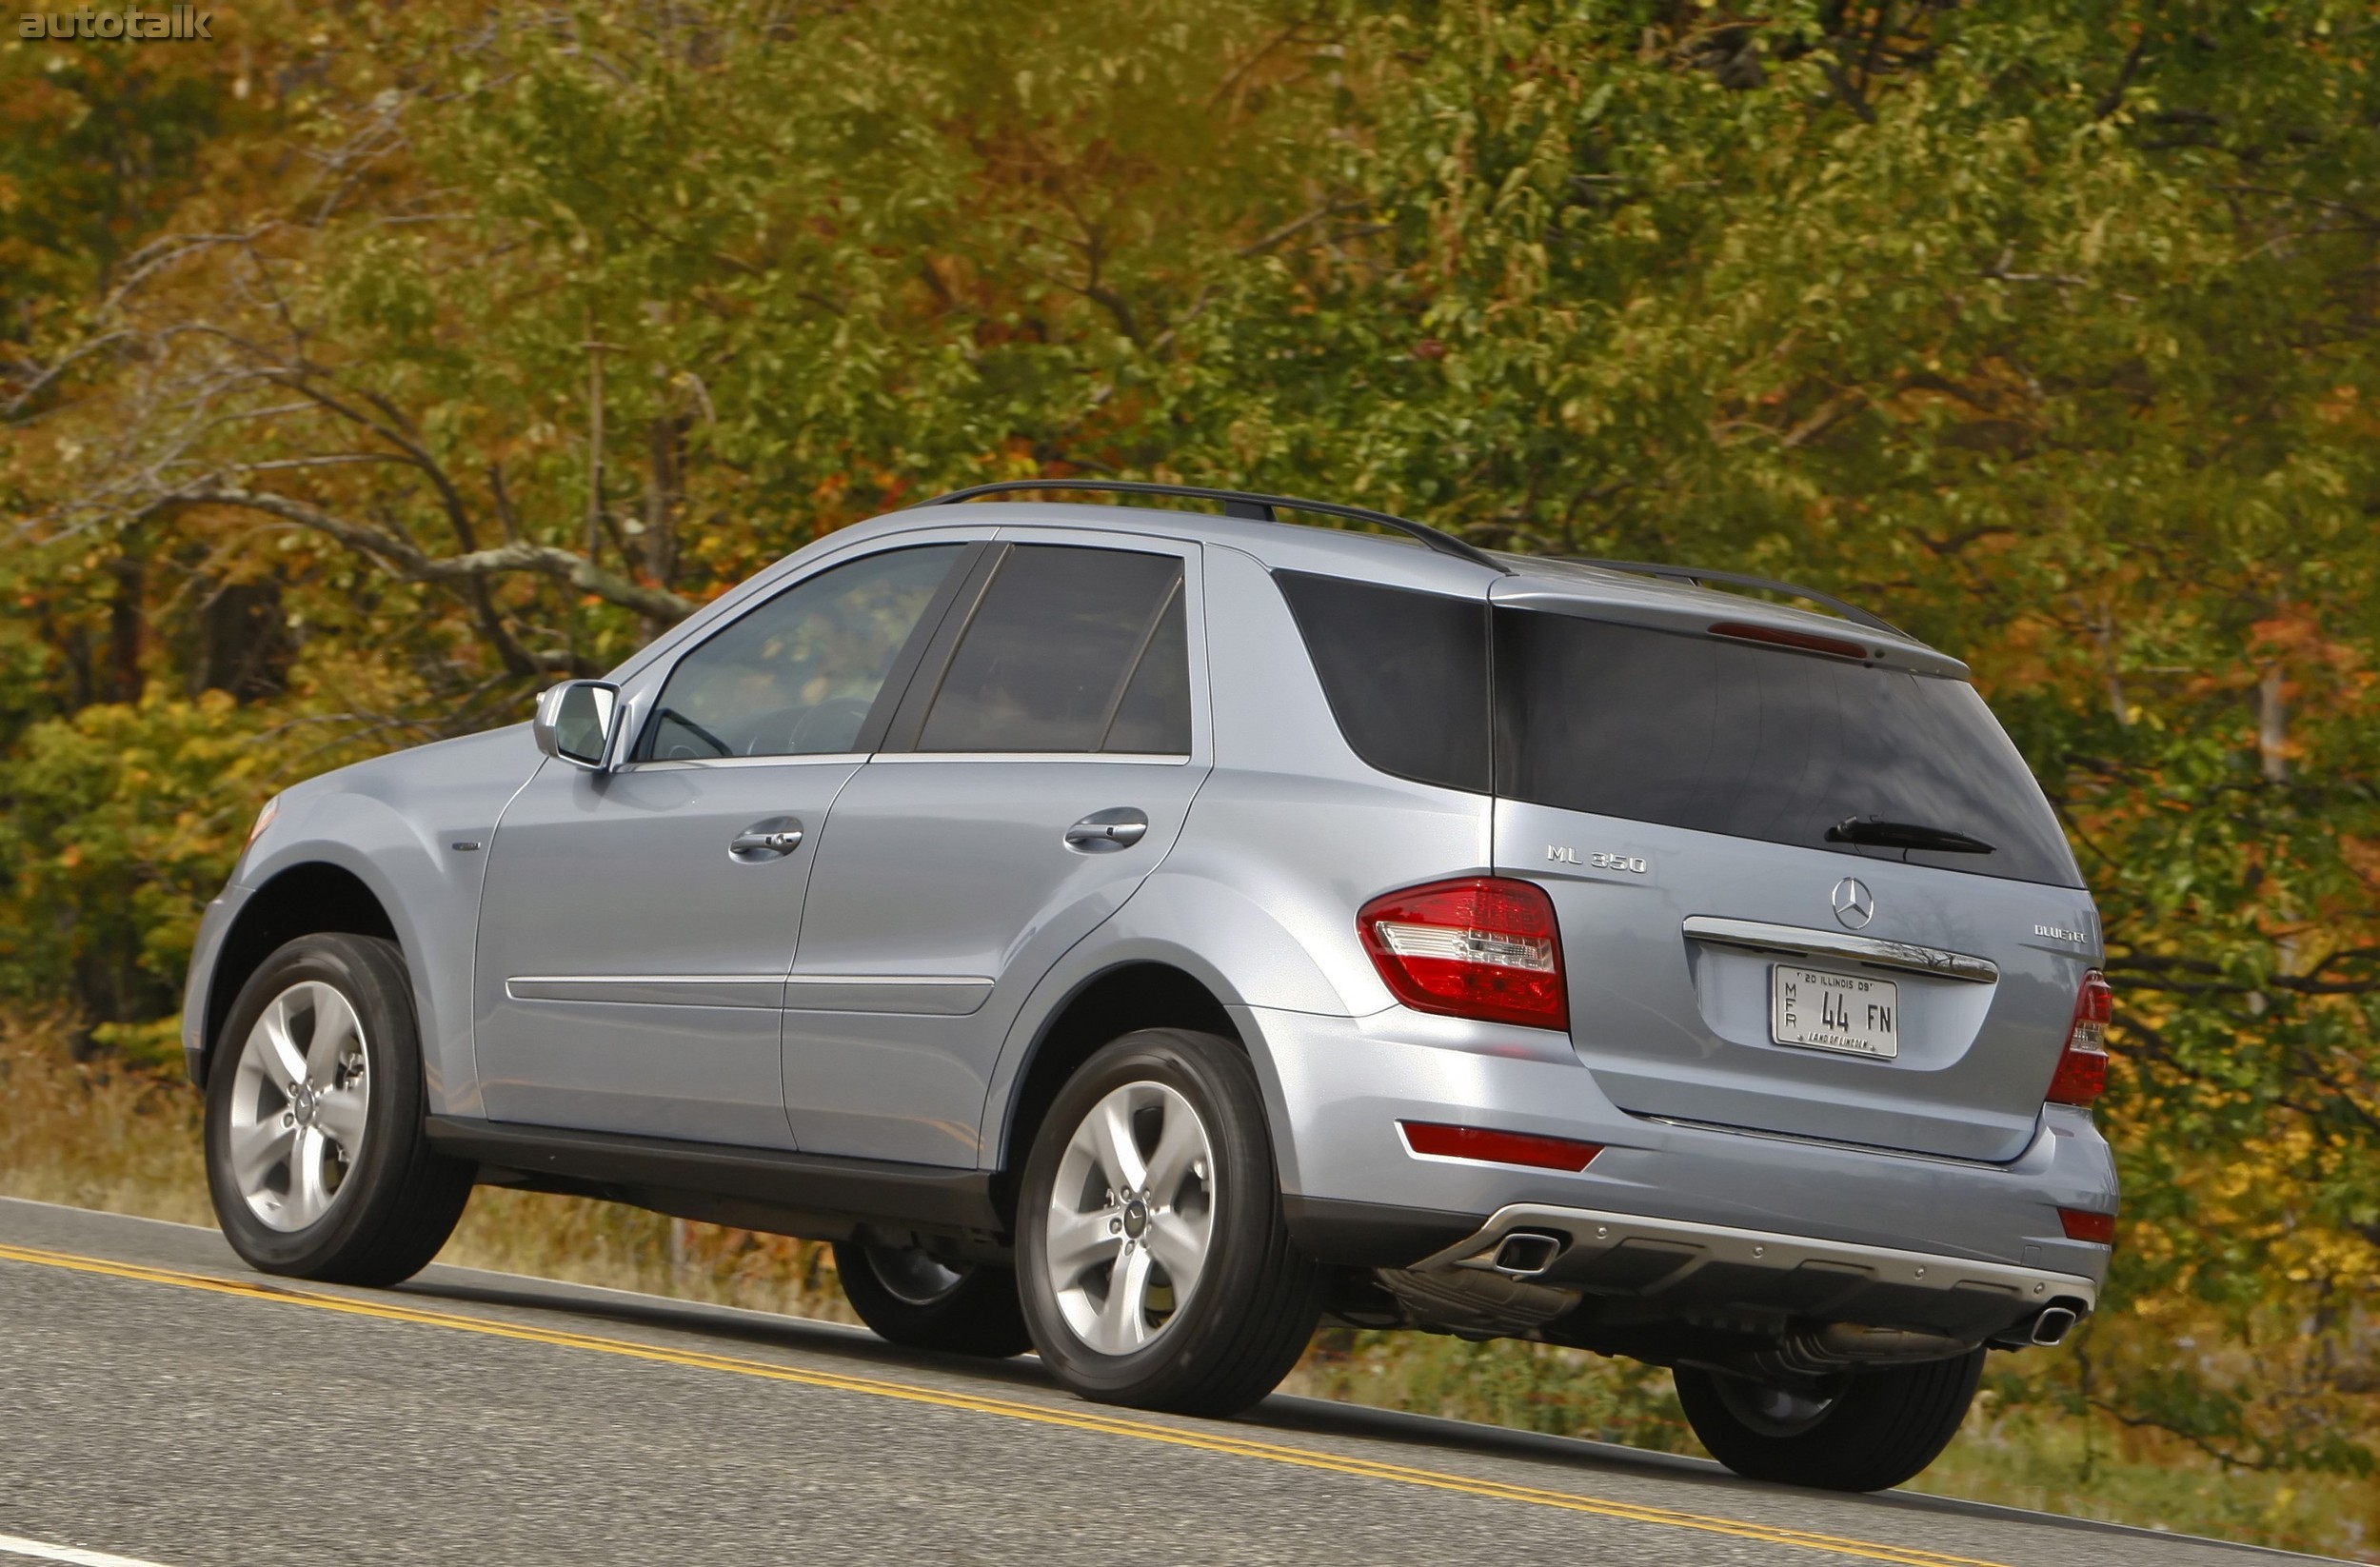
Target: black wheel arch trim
{"points": [[1371, 1235]]}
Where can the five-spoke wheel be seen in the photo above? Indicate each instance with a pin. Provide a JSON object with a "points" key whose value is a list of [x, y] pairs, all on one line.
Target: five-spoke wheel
{"points": [[923, 1298], [316, 1156], [300, 1097], [1131, 1214], [1155, 1265]]}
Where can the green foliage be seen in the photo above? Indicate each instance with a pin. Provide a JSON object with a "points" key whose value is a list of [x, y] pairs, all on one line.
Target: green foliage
{"points": [[119, 824], [2045, 328]]}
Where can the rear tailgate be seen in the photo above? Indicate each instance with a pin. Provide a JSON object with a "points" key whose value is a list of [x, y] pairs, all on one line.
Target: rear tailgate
{"points": [[1703, 800], [1683, 1026]]}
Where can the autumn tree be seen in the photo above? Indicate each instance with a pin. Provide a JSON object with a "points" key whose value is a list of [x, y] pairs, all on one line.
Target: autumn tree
{"points": [[467, 346]]}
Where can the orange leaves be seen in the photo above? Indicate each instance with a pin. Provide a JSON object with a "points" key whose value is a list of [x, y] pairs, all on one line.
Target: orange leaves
{"points": [[2295, 636]]}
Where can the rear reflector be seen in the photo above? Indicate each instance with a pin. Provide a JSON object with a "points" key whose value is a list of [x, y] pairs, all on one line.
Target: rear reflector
{"points": [[2081, 1224], [2082, 1067], [1483, 947], [1493, 1147]]}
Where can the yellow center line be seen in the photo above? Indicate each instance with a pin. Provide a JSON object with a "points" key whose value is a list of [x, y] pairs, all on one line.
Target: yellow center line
{"points": [[1083, 1417]]}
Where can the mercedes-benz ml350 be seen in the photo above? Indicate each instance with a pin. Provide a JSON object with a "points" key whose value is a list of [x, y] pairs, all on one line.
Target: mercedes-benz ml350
{"points": [[1139, 934]]}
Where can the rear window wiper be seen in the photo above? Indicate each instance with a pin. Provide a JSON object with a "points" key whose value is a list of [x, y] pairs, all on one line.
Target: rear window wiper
{"points": [[1903, 835]]}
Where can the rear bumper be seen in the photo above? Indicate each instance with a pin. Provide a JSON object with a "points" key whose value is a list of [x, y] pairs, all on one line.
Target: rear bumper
{"points": [[1337, 1087], [1712, 1269]]}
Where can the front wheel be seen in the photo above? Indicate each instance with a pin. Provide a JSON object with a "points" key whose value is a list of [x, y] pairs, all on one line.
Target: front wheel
{"points": [[1865, 1431], [1154, 1266], [910, 1296], [316, 1158]]}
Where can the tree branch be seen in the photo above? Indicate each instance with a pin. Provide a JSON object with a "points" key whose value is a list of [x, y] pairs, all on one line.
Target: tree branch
{"points": [[416, 565]]}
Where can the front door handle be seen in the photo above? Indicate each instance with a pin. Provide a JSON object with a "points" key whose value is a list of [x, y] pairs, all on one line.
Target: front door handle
{"points": [[772, 839], [1104, 832]]}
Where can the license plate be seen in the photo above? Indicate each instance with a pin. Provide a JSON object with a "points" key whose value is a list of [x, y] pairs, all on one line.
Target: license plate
{"points": [[1821, 1011]]}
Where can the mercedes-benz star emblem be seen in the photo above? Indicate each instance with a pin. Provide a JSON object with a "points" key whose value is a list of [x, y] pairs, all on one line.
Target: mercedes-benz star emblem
{"points": [[1854, 903]]}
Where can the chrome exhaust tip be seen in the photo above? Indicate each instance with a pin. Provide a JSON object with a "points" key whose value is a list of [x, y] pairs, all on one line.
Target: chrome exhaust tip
{"points": [[1524, 1254], [2053, 1324]]}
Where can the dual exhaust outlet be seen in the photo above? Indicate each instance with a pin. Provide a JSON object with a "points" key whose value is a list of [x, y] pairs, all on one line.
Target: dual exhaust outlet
{"points": [[1526, 1253]]}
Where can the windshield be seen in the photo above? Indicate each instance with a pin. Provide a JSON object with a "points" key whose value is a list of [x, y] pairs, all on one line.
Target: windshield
{"points": [[1719, 736]]}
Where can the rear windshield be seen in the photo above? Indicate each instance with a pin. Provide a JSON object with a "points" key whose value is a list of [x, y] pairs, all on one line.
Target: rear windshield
{"points": [[1701, 732]]}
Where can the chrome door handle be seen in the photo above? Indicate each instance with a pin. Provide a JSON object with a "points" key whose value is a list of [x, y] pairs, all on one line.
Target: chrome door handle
{"points": [[1104, 832], [771, 839]]}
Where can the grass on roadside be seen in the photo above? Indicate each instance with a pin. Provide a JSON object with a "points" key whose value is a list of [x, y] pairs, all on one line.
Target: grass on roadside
{"points": [[99, 1135]]}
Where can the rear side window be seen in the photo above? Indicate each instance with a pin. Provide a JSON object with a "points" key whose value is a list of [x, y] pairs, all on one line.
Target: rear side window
{"points": [[1406, 674], [1700, 732], [1070, 649]]}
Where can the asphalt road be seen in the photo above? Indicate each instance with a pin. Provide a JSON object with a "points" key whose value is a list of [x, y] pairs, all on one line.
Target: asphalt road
{"points": [[161, 1403]]}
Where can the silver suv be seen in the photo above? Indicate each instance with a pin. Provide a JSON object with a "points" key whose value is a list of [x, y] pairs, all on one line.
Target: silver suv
{"points": [[1137, 934]]}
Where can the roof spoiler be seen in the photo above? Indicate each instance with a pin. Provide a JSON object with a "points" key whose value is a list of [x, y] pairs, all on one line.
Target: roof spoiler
{"points": [[1695, 576]]}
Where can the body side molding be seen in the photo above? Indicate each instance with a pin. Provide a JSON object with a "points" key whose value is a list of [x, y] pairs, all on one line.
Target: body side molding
{"points": [[599, 1163]]}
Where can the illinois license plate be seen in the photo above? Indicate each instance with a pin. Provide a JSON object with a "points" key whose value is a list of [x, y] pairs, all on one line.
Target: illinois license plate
{"points": [[1822, 1011]]}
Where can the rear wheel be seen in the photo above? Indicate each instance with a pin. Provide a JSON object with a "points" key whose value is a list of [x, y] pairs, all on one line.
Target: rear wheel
{"points": [[1154, 1263], [316, 1158], [1864, 1431], [914, 1298]]}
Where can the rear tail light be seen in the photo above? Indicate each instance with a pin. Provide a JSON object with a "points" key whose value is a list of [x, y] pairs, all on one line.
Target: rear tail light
{"points": [[1494, 1147], [1483, 947], [2082, 1224], [2082, 1068]]}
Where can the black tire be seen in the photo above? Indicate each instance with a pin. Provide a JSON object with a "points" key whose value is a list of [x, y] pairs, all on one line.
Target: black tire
{"points": [[1255, 1298], [910, 1299], [396, 1200], [1881, 1428]]}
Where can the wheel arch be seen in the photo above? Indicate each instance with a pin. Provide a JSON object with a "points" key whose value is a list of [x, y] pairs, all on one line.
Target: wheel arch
{"points": [[302, 899], [1129, 993]]}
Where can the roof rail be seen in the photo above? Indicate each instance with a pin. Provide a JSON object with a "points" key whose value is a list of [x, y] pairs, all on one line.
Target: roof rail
{"points": [[1248, 504], [1695, 576]]}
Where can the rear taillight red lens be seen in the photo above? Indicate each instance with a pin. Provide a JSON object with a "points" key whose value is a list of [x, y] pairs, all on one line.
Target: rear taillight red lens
{"points": [[1483, 947], [2082, 1068], [2082, 1224]]}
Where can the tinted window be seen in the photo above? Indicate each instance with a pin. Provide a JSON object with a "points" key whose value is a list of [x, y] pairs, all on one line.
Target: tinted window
{"points": [[1154, 716], [797, 676], [1069, 651], [1406, 674], [1719, 736]]}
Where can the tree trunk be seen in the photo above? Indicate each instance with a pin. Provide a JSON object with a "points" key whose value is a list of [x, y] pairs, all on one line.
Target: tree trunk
{"points": [[125, 618], [2273, 725], [661, 489]]}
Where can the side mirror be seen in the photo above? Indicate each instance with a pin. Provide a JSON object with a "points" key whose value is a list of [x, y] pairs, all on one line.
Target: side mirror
{"points": [[574, 722]]}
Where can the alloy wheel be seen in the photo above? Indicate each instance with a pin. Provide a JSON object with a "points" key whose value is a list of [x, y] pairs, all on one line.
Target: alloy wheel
{"points": [[1774, 1410], [1131, 1217], [298, 1106], [914, 1276]]}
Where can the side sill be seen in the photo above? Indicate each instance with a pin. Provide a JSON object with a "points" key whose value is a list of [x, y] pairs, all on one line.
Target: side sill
{"points": [[814, 1195], [1371, 1235]]}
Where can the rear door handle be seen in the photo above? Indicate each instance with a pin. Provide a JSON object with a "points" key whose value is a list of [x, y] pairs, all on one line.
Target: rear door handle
{"points": [[1104, 832], [771, 839]]}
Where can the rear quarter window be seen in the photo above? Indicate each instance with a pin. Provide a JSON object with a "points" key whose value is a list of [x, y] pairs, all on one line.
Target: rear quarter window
{"points": [[1406, 674]]}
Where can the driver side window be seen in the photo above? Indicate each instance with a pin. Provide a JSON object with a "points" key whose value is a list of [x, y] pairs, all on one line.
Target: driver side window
{"points": [[798, 675]]}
